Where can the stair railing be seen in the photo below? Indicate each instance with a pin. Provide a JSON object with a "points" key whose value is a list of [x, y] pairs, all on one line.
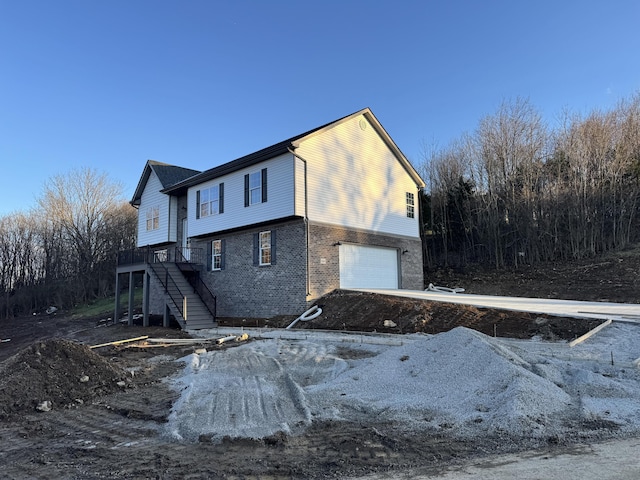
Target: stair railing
{"points": [[199, 287], [178, 299]]}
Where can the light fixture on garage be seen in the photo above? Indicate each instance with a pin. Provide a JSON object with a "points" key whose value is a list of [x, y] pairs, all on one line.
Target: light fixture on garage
{"points": [[337, 244], [405, 251]]}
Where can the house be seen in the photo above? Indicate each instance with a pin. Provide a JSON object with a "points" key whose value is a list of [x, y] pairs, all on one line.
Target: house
{"points": [[269, 233]]}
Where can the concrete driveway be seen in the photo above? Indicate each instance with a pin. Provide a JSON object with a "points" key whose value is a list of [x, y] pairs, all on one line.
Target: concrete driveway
{"points": [[568, 308]]}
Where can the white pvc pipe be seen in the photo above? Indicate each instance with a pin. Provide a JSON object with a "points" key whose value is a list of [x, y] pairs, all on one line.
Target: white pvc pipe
{"points": [[226, 339], [313, 312], [433, 288]]}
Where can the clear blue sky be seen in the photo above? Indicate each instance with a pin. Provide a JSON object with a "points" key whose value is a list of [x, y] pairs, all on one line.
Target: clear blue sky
{"points": [[109, 84]]}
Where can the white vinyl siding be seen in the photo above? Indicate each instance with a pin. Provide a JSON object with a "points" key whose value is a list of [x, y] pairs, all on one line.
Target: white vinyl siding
{"points": [[279, 204], [299, 199], [152, 198], [173, 219], [368, 267], [355, 181]]}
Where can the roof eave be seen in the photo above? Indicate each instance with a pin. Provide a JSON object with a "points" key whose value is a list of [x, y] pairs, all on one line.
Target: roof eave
{"points": [[230, 167], [137, 194]]}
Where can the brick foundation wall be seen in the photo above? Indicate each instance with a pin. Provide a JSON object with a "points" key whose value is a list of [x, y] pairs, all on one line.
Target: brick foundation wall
{"points": [[245, 290]]}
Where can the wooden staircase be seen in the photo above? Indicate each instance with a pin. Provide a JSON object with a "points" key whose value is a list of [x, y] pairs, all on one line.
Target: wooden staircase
{"points": [[182, 299]]}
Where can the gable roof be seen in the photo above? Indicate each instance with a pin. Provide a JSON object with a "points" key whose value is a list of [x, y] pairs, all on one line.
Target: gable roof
{"points": [[167, 174], [290, 145]]}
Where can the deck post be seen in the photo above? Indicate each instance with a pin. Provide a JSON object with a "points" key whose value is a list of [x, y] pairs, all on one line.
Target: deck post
{"points": [[165, 317], [145, 299], [116, 310], [131, 298]]}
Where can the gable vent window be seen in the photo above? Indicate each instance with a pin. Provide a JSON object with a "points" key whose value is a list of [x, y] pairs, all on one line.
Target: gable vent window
{"points": [[210, 201], [410, 205], [153, 218], [255, 188]]}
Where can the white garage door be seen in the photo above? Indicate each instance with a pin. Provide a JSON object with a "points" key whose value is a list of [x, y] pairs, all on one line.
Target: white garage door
{"points": [[368, 267]]}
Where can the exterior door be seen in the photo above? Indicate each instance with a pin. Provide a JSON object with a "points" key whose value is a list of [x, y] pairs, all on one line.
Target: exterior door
{"points": [[186, 253], [368, 267]]}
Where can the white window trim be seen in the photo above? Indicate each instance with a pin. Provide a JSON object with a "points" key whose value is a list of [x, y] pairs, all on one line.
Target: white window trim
{"points": [[206, 208], [411, 205], [215, 255], [264, 248], [153, 218], [257, 188]]}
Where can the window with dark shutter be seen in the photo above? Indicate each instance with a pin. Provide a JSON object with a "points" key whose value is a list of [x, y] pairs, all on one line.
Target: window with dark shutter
{"points": [[265, 248], [217, 254], [208, 201], [255, 187], [221, 198]]}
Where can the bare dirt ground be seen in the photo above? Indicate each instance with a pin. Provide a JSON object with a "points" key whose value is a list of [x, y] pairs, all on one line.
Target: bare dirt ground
{"points": [[107, 405]]}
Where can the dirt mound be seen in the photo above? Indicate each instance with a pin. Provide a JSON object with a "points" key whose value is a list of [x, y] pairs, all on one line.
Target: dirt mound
{"points": [[55, 374], [611, 277], [360, 311]]}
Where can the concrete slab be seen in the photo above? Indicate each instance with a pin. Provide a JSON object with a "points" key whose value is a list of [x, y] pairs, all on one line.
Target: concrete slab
{"points": [[569, 308]]}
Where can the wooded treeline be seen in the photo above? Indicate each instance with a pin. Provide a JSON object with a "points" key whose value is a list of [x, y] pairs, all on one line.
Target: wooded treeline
{"points": [[515, 191], [63, 252]]}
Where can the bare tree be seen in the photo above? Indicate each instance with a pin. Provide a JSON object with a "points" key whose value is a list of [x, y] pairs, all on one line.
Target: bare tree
{"points": [[510, 148], [81, 212], [20, 262]]}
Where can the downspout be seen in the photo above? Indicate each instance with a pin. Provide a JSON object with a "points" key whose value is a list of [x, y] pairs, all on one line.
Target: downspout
{"points": [[306, 219], [423, 238]]}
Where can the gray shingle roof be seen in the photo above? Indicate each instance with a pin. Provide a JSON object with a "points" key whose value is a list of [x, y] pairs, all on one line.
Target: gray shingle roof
{"points": [[168, 175]]}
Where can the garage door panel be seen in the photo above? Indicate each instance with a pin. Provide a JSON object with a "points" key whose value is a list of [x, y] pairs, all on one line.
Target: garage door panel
{"points": [[368, 267]]}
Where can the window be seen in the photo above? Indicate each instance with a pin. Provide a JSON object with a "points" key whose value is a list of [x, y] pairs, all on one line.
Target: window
{"points": [[410, 205], [153, 218], [216, 255], [255, 187], [210, 201], [265, 248]]}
